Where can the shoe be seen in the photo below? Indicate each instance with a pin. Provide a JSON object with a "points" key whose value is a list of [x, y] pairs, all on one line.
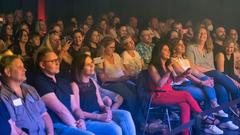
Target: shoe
{"points": [[221, 113], [154, 127], [229, 125], [212, 129]]}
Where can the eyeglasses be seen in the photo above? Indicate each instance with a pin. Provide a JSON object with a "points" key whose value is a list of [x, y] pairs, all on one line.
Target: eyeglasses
{"points": [[54, 61]]}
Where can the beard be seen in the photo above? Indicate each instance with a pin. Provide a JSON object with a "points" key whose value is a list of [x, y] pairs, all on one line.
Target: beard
{"points": [[222, 37]]}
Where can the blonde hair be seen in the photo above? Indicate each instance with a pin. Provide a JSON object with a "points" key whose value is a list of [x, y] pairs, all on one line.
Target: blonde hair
{"points": [[209, 43], [228, 41]]}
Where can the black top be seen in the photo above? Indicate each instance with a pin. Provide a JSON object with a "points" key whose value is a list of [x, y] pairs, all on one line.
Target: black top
{"points": [[62, 89], [4, 117], [88, 96], [217, 49], [229, 65]]}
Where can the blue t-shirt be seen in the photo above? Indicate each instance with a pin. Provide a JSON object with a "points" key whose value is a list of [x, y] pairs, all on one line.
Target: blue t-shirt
{"points": [[4, 117], [62, 89]]}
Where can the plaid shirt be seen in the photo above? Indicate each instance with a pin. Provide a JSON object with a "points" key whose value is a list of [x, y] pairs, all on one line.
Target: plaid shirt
{"points": [[145, 51]]}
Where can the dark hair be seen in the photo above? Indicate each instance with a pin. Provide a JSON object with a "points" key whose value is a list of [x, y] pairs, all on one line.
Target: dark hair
{"points": [[88, 35], [4, 33], [77, 66], [7, 61], [77, 31], [173, 43], [156, 55], [20, 34]]}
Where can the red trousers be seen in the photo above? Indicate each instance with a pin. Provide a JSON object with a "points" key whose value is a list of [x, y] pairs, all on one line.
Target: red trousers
{"points": [[181, 98]]}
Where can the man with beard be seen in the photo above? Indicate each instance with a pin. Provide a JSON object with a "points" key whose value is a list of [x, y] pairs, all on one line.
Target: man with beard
{"points": [[219, 37]]}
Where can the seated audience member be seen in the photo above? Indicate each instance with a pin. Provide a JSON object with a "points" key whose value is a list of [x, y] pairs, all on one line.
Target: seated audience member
{"points": [[88, 96], [196, 82], [233, 34], [57, 94], [200, 55], [7, 126], [154, 28], [132, 28], [7, 35], [114, 76], [162, 75], [25, 106], [21, 46], [219, 37], [41, 28], [91, 40], [226, 61], [132, 61], [145, 47], [53, 42], [35, 43], [121, 32]]}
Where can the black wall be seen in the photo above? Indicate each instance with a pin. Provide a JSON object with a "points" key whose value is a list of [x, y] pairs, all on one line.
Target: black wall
{"points": [[222, 12]]}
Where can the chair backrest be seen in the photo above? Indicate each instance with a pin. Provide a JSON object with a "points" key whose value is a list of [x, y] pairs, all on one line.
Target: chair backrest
{"points": [[142, 88]]}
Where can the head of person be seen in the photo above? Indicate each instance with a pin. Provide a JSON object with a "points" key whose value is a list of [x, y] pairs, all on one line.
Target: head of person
{"points": [[12, 69], [47, 61], [177, 47], [92, 36], [36, 39], [61, 24], [23, 36], [89, 20], [18, 16], [202, 36], [84, 28], [177, 26], [160, 52], [10, 18], [7, 31], [154, 23], [41, 26], [172, 34], [82, 65], [114, 21], [230, 46], [220, 33], [233, 34], [133, 22], [108, 43], [121, 30], [78, 37], [207, 23], [24, 26], [146, 36], [127, 42], [52, 41], [103, 24], [29, 16], [57, 29]]}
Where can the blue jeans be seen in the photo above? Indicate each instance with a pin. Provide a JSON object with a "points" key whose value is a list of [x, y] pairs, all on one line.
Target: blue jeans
{"points": [[103, 128], [227, 83], [62, 129], [124, 120]]}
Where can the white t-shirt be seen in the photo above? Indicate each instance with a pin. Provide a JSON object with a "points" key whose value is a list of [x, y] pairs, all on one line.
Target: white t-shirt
{"points": [[114, 70], [134, 63]]}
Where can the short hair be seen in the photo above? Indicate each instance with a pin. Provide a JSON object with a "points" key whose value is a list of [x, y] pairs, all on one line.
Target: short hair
{"points": [[40, 54], [7, 61]]}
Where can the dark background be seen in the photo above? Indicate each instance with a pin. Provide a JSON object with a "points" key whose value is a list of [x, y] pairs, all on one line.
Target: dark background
{"points": [[222, 12]]}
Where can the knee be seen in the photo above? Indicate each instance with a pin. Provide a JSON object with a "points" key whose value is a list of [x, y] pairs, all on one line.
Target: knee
{"points": [[115, 130]]}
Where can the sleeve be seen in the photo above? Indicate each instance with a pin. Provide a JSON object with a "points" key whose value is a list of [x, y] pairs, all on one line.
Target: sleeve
{"points": [[9, 108], [40, 103], [190, 54], [43, 87], [4, 117], [125, 59]]}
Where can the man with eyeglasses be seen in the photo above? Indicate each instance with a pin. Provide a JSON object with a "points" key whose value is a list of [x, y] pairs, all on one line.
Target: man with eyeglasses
{"points": [[57, 95]]}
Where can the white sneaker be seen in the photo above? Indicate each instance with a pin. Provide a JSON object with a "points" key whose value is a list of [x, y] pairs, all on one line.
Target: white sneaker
{"points": [[221, 113], [229, 125], [212, 129]]}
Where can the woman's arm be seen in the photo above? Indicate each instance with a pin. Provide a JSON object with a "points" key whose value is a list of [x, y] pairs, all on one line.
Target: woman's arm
{"points": [[157, 79], [220, 62]]}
